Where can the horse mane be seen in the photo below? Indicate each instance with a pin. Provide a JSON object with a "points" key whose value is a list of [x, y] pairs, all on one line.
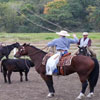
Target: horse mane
{"points": [[10, 44], [34, 47]]}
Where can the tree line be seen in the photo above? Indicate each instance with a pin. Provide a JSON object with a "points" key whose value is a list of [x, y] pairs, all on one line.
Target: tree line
{"points": [[49, 15]]}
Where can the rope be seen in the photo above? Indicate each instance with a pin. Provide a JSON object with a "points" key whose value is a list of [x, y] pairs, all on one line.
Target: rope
{"points": [[24, 2], [44, 19], [60, 27], [74, 52], [36, 23], [26, 64]]}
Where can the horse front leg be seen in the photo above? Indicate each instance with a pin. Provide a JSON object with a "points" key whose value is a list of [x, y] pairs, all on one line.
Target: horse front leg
{"points": [[82, 93], [84, 82], [49, 82]]}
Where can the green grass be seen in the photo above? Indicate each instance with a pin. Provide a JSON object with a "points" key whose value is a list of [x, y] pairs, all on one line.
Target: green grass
{"points": [[23, 37], [41, 38], [37, 37]]}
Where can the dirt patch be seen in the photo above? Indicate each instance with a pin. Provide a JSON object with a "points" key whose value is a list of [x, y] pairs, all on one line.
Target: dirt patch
{"points": [[67, 88]]}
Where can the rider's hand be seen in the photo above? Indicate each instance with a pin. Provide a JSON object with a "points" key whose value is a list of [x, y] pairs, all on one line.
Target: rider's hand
{"points": [[74, 35]]}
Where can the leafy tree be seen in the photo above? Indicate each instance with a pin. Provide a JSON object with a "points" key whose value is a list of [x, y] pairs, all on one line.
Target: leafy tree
{"points": [[94, 15], [4, 0], [75, 15], [9, 18]]}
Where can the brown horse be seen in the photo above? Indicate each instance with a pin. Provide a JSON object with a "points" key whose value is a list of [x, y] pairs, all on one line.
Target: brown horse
{"points": [[85, 67]]}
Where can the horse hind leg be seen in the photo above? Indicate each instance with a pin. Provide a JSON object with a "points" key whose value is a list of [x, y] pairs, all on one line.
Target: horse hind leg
{"points": [[91, 86], [81, 95], [93, 78], [84, 86]]}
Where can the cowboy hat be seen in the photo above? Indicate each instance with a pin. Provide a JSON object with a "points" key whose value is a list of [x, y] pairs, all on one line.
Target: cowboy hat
{"points": [[85, 33], [63, 33]]}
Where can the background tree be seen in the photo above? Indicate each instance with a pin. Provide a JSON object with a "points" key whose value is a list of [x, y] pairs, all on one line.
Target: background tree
{"points": [[74, 15]]}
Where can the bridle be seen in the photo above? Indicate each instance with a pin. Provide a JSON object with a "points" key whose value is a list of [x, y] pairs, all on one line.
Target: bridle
{"points": [[83, 51]]}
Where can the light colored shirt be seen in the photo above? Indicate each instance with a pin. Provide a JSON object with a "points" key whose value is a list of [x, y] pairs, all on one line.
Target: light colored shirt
{"points": [[89, 42], [63, 43], [84, 42]]}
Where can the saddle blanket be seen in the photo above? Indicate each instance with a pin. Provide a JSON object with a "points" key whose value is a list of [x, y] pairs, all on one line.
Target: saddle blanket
{"points": [[64, 61]]}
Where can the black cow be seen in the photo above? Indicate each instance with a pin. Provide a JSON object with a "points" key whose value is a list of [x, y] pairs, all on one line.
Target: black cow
{"points": [[15, 65]]}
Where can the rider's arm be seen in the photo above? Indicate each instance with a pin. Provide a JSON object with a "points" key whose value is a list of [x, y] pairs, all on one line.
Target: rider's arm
{"points": [[52, 43], [75, 40], [89, 43]]}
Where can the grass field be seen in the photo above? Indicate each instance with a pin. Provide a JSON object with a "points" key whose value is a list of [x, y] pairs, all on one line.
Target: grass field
{"points": [[43, 38], [36, 37]]}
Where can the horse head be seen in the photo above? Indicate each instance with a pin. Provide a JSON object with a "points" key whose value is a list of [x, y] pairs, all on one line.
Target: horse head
{"points": [[22, 50], [83, 51], [17, 45]]}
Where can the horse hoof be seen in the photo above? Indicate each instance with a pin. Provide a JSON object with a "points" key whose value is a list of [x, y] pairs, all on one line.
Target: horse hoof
{"points": [[81, 96], [90, 95], [21, 80], [5, 81], [50, 95]]}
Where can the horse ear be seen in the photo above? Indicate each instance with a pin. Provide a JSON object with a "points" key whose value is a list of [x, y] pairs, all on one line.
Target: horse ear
{"points": [[17, 43], [24, 44], [78, 46]]}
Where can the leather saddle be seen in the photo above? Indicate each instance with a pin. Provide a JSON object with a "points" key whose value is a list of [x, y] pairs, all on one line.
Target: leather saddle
{"points": [[64, 61]]}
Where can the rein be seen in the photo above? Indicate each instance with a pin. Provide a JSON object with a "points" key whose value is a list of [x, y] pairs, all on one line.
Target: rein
{"points": [[74, 52], [27, 64]]}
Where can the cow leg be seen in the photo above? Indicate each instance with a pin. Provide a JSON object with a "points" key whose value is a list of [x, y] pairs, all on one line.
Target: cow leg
{"points": [[21, 76], [5, 74], [9, 75], [26, 73]]}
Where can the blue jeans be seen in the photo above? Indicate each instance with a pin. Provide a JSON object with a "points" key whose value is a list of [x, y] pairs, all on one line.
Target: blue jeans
{"points": [[65, 52]]}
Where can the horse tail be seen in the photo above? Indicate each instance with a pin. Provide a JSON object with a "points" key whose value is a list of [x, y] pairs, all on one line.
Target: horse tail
{"points": [[1, 67], [93, 77]]}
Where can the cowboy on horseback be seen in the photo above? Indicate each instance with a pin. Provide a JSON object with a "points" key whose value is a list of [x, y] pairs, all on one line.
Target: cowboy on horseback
{"points": [[62, 45], [86, 42]]}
